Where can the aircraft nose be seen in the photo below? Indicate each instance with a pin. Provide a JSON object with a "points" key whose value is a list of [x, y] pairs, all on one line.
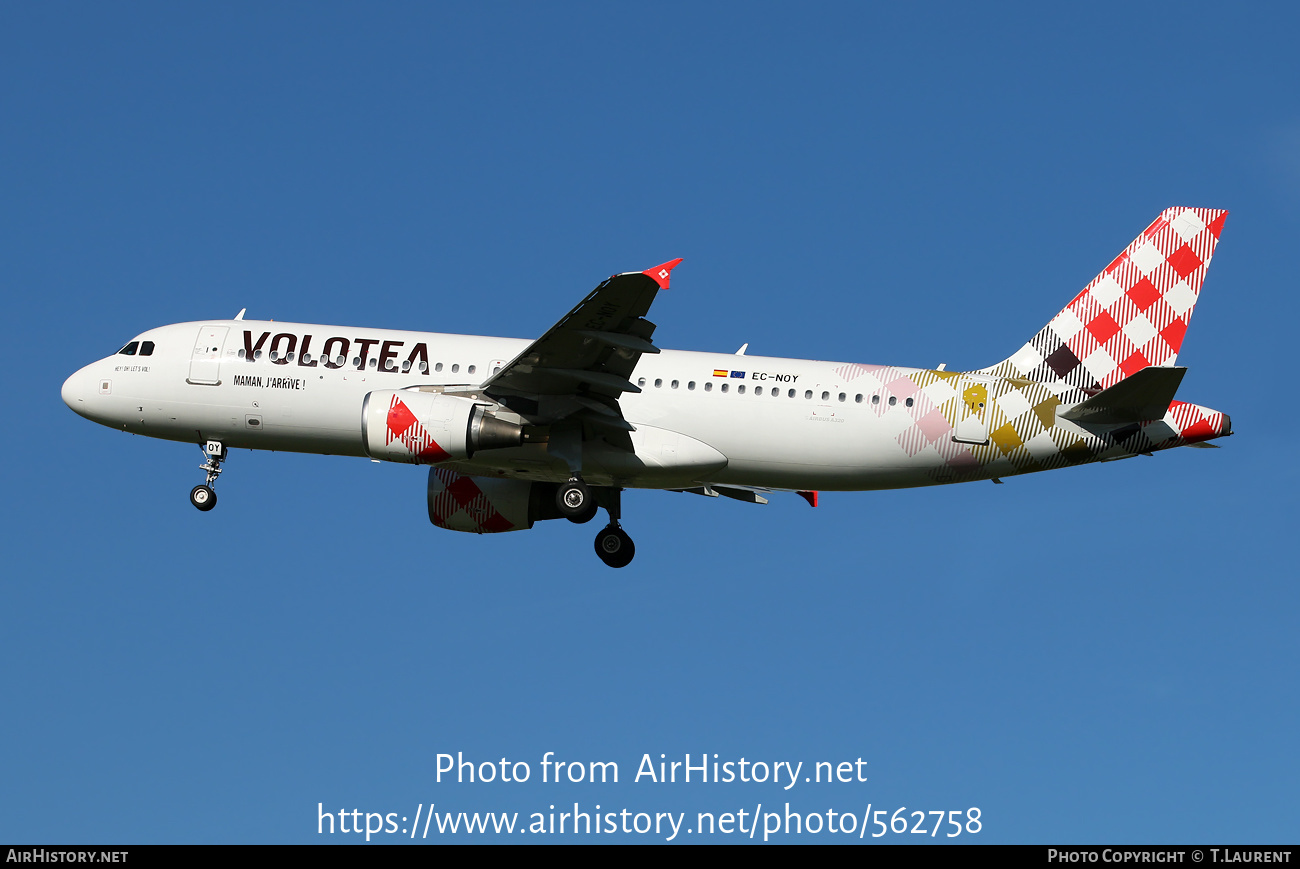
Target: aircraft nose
{"points": [[76, 389]]}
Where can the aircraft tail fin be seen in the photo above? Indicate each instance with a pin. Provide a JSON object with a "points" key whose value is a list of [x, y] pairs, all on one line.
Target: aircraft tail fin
{"points": [[1131, 316]]}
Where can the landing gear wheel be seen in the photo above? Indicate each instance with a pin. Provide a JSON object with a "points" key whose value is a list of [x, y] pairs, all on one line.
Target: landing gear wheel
{"points": [[203, 498], [575, 502], [614, 547]]}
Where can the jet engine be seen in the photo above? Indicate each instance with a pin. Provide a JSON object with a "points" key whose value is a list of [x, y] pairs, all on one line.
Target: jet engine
{"points": [[486, 505], [425, 428]]}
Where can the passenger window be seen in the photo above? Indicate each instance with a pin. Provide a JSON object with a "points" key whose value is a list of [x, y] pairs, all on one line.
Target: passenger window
{"points": [[659, 381], [758, 390], [740, 390], [792, 393], [708, 386], [892, 401], [842, 396], [438, 367], [274, 355], [674, 384], [289, 356], [690, 385], [724, 386], [146, 349], [825, 396], [858, 398], [374, 363], [356, 360], [875, 399], [640, 381], [406, 366], [424, 367], [807, 393], [470, 370], [129, 349], [241, 352], [908, 402], [455, 368]]}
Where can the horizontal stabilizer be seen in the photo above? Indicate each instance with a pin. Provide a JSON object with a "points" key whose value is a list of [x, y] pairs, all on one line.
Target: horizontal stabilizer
{"points": [[1141, 396]]}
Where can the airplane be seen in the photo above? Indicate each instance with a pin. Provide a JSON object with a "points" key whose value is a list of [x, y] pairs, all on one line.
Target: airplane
{"points": [[519, 431]]}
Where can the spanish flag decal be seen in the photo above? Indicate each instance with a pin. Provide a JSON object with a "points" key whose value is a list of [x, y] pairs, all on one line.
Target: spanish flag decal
{"points": [[719, 372]]}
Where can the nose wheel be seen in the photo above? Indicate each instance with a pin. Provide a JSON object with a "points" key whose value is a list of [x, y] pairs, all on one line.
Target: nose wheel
{"points": [[203, 497]]}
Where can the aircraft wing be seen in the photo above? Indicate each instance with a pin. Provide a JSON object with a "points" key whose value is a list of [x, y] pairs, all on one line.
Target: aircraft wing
{"points": [[589, 356]]}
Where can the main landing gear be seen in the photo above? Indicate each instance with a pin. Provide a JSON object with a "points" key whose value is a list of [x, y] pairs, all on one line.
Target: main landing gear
{"points": [[202, 496], [614, 547], [578, 503]]}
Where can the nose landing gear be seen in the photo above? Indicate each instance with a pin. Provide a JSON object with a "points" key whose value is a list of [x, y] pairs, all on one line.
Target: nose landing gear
{"points": [[203, 497]]}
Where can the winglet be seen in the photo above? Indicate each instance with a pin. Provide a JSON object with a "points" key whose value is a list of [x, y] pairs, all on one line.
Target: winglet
{"points": [[810, 497], [660, 273]]}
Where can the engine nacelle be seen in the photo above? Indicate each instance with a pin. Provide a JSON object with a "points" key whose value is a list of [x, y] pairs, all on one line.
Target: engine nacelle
{"points": [[486, 505], [424, 428]]}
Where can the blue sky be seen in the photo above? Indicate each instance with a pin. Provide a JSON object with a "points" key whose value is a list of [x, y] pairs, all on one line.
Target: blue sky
{"points": [[1100, 654]]}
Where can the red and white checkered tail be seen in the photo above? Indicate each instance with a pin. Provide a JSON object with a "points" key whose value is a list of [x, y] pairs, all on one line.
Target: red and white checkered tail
{"points": [[1131, 316]]}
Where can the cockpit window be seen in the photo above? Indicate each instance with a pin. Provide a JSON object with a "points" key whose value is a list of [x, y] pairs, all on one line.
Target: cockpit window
{"points": [[146, 348], [129, 349]]}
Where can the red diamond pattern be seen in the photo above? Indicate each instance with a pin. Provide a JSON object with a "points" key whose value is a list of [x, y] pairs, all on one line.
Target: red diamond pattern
{"points": [[1144, 294], [1133, 364], [1184, 261], [1102, 327]]}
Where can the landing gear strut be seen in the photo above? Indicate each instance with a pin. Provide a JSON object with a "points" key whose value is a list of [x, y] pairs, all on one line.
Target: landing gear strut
{"points": [[613, 545], [203, 497]]}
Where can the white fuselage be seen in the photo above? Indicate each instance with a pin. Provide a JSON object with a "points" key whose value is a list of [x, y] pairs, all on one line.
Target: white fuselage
{"points": [[700, 418], [823, 437]]}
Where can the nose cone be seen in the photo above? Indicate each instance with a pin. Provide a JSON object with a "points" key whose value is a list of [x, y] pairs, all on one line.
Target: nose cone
{"points": [[77, 389]]}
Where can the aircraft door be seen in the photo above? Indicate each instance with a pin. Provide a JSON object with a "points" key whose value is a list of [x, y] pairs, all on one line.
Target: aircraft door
{"points": [[205, 363], [972, 412]]}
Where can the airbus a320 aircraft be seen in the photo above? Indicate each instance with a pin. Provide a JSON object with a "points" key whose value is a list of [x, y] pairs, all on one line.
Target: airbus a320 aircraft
{"points": [[519, 431]]}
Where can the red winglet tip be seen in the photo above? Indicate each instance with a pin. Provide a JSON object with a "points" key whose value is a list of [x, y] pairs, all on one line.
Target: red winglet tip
{"points": [[810, 497], [659, 274]]}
